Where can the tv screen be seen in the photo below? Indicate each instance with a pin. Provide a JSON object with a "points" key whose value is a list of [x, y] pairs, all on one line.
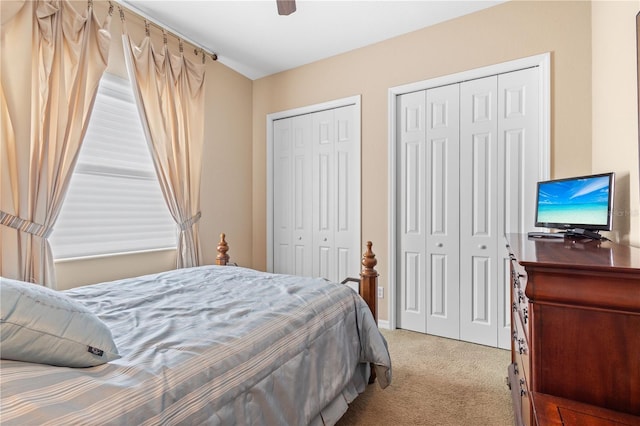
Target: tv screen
{"points": [[583, 202]]}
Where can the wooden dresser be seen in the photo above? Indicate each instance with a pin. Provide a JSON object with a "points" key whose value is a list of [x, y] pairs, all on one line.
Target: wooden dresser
{"points": [[575, 325]]}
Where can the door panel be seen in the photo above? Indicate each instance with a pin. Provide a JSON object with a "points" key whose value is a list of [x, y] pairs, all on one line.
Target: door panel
{"points": [[413, 288], [323, 261], [411, 201], [442, 211], [302, 234], [518, 163], [282, 228], [481, 291], [481, 180], [323, 194], [479, 234], [347, 200]]}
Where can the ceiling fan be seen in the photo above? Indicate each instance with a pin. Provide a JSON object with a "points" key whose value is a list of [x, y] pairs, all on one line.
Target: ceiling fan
{"points": [[286, 7]]}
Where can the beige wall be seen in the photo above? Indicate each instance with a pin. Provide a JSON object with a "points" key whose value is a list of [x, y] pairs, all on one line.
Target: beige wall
{"points": [[226, 175], [615, 109], [508, 31], [234, 176]]}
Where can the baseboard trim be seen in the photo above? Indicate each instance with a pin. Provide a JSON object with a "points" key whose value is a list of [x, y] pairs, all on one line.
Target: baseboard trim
{"points": [[384, 324]]}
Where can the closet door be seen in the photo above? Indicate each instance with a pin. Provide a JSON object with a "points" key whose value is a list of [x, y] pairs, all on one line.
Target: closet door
{"points": [[429, 211], [479, 232], [468, 162], [292, 211], [499, 169], [335, 196], [412, 300], [442, 214], [518, 160], [347, 194], [282, 202], [323, 195], [302, 230], [316, 193]]}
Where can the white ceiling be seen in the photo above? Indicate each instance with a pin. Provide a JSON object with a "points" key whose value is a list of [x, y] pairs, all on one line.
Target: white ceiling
{"points": [[250, 37]]}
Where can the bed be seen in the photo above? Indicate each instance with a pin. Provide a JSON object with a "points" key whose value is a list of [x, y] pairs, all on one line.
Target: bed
{"points": [[213, 344]]}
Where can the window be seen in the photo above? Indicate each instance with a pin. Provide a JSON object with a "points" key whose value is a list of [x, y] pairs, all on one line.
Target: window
{"points": [[114, 203]]}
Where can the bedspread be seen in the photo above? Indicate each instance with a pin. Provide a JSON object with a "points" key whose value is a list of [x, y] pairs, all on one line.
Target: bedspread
{"points": [[209, 345]]}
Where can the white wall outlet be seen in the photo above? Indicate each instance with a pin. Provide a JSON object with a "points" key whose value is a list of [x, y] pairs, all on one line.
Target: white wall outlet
{"points": [[380, 292]]}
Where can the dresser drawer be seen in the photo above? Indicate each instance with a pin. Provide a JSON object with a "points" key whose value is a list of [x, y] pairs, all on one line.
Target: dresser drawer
{"points": [[520, 396]]}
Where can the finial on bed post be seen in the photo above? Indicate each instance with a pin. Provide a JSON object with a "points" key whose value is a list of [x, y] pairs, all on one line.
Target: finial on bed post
{"points": [[222, 258], [369, 280]]}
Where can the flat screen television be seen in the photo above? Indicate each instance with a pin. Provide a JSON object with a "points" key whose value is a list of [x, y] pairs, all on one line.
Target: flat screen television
{"points": [[580, 205]]}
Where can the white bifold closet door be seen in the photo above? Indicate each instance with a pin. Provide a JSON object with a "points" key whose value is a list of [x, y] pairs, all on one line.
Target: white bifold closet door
{"points": [[292, 178], [468, 165], [317, 194], [429, 237]]}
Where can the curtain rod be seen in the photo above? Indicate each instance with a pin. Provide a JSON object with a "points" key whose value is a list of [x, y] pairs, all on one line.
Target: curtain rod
{"points": [[129, 7]]}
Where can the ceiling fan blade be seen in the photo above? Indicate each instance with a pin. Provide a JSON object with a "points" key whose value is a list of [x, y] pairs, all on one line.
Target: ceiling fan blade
{"points": [[286, 7]]}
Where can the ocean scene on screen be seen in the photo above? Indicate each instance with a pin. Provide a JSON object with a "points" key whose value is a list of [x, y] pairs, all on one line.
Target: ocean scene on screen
{"points": [[577, 202]]}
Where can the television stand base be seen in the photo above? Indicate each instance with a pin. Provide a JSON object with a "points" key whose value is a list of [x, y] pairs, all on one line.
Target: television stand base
{"points": [[578, 232], [545, 235], [569, 233]]}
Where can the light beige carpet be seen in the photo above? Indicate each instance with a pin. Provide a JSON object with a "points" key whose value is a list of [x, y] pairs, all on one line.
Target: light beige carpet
{"points": [[437, 381]]}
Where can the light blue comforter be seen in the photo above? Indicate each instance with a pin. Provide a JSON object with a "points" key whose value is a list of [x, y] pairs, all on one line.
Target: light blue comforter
{"points": [[209, 345]]}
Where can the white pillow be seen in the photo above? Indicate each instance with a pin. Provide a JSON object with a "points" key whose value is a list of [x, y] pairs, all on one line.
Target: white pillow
{"points": [[41, 325]]}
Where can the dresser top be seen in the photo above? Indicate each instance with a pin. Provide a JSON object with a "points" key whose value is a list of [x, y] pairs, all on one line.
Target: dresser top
{"points": [[581, 253]]}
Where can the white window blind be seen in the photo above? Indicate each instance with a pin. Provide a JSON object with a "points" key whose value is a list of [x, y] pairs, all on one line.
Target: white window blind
{"points": [[114, 203]]}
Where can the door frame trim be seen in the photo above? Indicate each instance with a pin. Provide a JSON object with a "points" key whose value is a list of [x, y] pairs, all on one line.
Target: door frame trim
{"points": [[543, 61], [323, 106]]}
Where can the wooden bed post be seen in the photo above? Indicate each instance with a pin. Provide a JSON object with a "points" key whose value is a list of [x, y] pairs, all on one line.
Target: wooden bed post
{"points": [[222, 258], [369, 280], [368, 288]]}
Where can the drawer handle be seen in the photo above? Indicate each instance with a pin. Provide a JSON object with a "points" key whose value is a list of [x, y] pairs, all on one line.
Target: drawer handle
{"points": [[482, 246], [521, 347], [523, 392], [439, 245]]}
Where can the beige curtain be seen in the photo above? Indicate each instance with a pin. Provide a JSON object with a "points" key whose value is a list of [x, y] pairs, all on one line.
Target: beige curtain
{"points": [[53, 56], [169, 91]]}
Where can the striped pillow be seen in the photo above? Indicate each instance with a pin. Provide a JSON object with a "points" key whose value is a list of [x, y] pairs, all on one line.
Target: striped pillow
{"points": [[44, 326]]}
